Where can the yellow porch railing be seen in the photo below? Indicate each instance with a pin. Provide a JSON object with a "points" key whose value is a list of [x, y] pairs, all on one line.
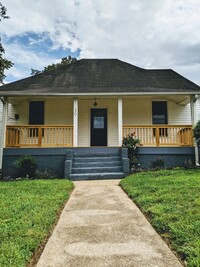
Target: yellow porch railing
{"points": [[62, 135], [161, 135], [39, 136]]}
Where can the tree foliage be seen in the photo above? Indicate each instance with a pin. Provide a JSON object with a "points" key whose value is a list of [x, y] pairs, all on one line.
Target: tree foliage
{"points": [[197, 133], [4, 63], [65, 61]]}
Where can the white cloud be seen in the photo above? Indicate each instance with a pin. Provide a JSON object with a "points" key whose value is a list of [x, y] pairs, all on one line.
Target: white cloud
{"points": [[25, 60], [153, 34]]}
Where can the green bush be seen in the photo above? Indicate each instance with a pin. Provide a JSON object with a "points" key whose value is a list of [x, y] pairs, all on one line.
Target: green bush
{"points": [[196, 131], [158, 163], [26, 166], [45, 174], [132, 143]]}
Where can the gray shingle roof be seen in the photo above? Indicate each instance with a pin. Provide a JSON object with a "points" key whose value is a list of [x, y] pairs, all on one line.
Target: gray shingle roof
{"points": [[101, 76]]}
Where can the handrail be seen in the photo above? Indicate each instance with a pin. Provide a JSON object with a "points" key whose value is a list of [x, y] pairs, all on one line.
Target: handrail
{"points": [[161, 135], [39, 136], [62, 135]]}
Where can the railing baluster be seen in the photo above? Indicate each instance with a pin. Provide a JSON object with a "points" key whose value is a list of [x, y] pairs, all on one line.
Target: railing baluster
{"points": [[161, 135], [52, 136], [39, 136]]}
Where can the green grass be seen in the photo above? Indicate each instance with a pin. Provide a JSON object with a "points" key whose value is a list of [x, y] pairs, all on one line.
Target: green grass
{"points": [[171, 201], [28, 210]]}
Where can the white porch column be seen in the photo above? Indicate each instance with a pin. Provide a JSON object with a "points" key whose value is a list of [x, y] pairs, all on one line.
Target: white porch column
{"points": [[75, 122], [3, 128], [4, 122], [193, 100], [120, 121], [193, 120]]}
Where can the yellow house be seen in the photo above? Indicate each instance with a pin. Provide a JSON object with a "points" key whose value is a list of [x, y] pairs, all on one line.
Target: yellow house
{"points": [[94, 103]]}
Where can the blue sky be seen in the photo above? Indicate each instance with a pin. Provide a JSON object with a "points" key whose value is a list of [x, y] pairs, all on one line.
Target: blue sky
{"points": [[148, 34]]}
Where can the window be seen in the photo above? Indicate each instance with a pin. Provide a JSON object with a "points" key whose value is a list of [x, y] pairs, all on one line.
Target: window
{"points": [[36, 112], [159, 112], [36, 116], [159, 116]]}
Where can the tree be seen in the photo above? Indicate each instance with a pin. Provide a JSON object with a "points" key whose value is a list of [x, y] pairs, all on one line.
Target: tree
{"points": [[4, 63], [65, 61], [196, 131]]}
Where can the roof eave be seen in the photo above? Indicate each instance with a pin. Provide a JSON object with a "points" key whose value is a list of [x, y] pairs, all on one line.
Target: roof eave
{"points": [[100, 94]]}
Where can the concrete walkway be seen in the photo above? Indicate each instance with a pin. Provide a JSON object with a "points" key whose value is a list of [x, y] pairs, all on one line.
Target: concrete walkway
{"points": [[100, 226]]}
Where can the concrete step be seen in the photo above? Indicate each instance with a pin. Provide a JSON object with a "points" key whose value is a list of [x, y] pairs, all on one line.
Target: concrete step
{"points": [[95, 154], [96, 159], [96, 176], [97, 164], [97, 169]]}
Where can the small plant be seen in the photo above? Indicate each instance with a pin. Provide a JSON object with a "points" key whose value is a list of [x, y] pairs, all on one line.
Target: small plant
{"points": [[158, 163], [45, 174], [188, 164], [26, 166], [132, 143], [196, 131]]}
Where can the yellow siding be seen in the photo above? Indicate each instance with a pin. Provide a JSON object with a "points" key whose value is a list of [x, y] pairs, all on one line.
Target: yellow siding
{"points": [[22, 110], [84, 107], [178, 114], [58, 112], [137, 111], [198, 109]]}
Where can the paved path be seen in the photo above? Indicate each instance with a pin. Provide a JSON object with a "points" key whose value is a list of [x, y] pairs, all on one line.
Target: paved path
{"points": [[100, 226]]}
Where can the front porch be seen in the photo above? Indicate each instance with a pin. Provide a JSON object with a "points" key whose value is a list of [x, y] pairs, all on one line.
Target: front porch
{"points": [[62, 135], [68, 122], [80, 122]]}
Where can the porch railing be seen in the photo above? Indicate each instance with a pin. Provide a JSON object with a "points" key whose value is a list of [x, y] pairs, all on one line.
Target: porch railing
{"points": [[161, 135], [62, 136], [39, 136]]}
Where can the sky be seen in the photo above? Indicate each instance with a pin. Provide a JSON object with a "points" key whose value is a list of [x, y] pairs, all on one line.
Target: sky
{"points": [[151, 34]]}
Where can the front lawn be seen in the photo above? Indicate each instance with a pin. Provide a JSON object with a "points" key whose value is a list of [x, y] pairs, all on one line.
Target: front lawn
{"points": [[28, 211], [171, 201]]}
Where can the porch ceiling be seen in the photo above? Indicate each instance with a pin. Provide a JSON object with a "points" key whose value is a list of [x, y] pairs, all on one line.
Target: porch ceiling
{"points": [[178, 99]]}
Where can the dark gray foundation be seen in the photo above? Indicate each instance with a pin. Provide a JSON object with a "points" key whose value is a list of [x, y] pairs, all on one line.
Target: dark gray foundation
{"points": [[55, 158]]}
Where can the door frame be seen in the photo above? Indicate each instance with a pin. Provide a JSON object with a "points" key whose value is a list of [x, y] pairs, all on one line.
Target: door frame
{"points": [[90, 122]]}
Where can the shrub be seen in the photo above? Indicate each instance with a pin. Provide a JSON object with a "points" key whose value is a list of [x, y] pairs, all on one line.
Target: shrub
{"points": [[45, 174], [26, 166], [158, 163], [132, 143], [196, 131]]}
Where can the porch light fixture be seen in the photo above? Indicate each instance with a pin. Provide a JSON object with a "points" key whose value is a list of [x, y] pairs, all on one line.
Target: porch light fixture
{"points": [[95, 103], [16, 116]]}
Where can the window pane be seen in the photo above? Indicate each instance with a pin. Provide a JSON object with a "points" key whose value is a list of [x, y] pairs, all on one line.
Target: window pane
{"points": [[98, 122], [159, 112]]}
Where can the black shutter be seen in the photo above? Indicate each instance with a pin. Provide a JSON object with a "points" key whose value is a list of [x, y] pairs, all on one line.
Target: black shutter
{"points": [[36, 112], [159, 112]]}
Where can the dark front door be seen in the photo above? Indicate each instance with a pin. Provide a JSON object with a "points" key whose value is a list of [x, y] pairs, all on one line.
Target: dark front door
{"points": [[99, 127]]}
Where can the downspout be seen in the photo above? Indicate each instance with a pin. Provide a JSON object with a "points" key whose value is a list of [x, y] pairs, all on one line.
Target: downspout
{"points": [[193, 100]]}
